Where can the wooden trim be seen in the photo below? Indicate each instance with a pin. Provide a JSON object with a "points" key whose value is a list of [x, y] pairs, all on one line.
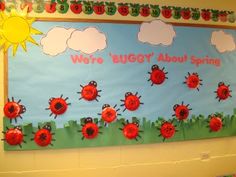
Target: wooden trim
{"points": [[5, 71], [48, 19]]}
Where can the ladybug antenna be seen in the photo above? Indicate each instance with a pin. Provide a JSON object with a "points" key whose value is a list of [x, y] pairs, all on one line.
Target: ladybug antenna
{"points": [[19, 101], [61, 96], [175, 106], [12, 99]]}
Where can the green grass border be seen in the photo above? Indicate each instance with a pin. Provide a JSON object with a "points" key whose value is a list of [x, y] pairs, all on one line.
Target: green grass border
{"points": [[194, 128]]}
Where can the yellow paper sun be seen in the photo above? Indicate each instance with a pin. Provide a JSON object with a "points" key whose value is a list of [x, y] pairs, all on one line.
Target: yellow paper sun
{"points": [[16, 29]]}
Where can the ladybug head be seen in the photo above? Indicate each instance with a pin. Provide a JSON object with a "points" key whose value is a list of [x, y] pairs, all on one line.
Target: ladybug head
{"points": [[94, 83], [221, 83], [88, 120], [175, 107], [47, 127], [196, 74], [18, 128], [128, 94], [105, 106], [22, 109], [136, 123], [154, 67]]}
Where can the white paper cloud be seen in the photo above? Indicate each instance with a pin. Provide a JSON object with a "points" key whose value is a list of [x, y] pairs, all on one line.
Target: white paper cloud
{"points": [[87, 41], [58, 39], [156, 32], [55, 41], [222, 41]]}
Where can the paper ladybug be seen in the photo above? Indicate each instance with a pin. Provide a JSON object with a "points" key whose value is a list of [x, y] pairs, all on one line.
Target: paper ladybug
{"points": [[90, 130], [43, 137], [215, 123], [167, 130], [157, 75], [131, 101], [89, 92], [223, 92], [14, 136], [13, 110], [193, 81], [58, 106], [181, 111], [131, 130], [109, 114]]}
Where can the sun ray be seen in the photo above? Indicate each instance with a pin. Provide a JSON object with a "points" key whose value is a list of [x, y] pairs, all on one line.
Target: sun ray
{"points": [[15, 47], [30, 21], [13, 13], [24, 12], [23, 45], [35, 31], [6, 46], [30, 39]]}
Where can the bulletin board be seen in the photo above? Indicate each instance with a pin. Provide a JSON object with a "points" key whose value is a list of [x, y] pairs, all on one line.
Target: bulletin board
{"points": [[75, 84]]}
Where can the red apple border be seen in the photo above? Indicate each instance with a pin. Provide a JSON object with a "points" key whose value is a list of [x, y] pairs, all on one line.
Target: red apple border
{"points": [[123, 9]]}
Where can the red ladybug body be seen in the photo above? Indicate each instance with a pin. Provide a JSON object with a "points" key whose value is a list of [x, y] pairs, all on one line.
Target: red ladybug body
{"points": [[131, 101], [58, 106], [109, 114], [193, 81], [223, 91], [13, 109], [167, 130], [90, 130], [157, 75], [89, 92], [215, 124], [14, 136], [181, 111], [43, 137], [131, 130]]}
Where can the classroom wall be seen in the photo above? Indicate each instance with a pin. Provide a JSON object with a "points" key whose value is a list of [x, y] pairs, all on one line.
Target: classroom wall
{"points": [[206, 158]]}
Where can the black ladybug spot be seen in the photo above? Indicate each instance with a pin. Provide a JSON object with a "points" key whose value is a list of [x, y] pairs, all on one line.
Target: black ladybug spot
{"points": [[43, 136], [11, 109], [58, 106], [182, 112], [90, 131], [225, 92]]}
